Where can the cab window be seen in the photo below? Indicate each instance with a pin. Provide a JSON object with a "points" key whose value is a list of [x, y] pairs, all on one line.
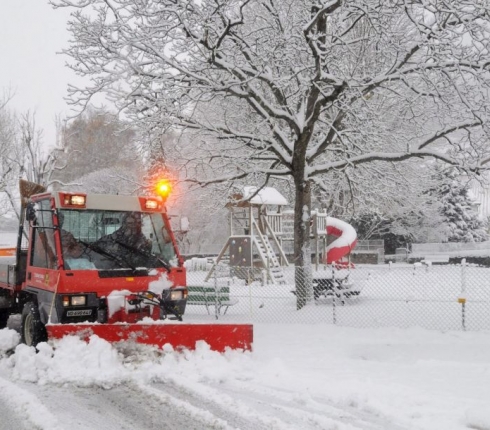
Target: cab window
{"points": [[44, 250]]}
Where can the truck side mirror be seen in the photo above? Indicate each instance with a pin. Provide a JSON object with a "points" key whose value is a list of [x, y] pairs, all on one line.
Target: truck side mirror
{"points": [[31, 212]]}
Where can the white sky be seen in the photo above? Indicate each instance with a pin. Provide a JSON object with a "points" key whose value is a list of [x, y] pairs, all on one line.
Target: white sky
{"points": [[31, 34]]}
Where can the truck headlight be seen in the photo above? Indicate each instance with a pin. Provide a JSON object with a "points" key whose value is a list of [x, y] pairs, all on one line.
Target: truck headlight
{"points": [[78, 300], [176, 295]]}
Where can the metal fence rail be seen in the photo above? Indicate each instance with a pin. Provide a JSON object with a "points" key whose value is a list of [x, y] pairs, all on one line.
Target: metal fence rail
{"points": [[443, 297]]}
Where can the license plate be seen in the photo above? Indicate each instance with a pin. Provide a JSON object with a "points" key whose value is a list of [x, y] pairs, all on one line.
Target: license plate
{"points": [[80, 313]]}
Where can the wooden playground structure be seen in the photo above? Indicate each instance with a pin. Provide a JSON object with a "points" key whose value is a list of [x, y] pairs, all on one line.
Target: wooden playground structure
{"points": [[259, 234]]}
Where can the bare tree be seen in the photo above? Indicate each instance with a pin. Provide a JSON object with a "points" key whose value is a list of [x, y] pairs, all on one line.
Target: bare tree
{"points": [[34, 164], [97, 146], [295, 88], [22, 156], [7, 135], [7, 158]]}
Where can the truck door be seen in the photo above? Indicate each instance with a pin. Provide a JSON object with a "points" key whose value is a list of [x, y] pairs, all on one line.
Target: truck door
{"points": [[43, 245]]}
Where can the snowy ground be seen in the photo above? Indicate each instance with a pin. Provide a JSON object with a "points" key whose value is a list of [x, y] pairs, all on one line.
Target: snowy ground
{"points": [[304, 372], [299, 376], [398, 295]]}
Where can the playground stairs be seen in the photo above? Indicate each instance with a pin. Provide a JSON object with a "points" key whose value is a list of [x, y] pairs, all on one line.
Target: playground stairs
{"points": [[268, 257], [260, 239]]}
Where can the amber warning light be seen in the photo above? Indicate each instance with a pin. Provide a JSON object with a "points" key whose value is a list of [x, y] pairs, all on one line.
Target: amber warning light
{"points": [[163, 188]]}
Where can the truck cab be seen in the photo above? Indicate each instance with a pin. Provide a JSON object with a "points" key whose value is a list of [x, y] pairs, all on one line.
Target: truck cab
{"points": [[89, 258]]}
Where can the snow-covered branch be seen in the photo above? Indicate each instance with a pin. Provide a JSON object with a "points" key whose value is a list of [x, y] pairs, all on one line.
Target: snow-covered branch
{"points": [[312, 89]]}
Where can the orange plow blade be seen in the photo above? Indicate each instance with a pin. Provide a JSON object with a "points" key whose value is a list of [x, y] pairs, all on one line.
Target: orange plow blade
{"points": [[217, 336]]}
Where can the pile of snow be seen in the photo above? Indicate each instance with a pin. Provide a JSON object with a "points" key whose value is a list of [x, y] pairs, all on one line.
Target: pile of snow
{"points": [[398, 378], [196, 264]]}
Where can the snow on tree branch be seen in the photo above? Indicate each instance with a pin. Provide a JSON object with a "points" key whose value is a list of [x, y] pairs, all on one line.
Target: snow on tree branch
{"points": [[313, 88]]}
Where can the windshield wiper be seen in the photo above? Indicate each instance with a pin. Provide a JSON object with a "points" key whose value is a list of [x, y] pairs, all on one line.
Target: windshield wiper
{"points": [[146, 254], [123, 263]]}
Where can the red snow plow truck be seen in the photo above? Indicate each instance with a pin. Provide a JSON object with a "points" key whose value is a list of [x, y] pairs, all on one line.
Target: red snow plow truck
{"points": [[102, 264]]}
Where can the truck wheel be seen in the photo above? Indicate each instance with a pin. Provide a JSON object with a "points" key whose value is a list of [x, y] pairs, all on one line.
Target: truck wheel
{"points": [[32, 330], [4, 317]]}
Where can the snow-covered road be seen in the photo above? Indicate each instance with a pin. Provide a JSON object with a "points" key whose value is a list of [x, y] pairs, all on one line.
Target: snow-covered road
{"points": [[166, 405], [171, 404], [299, 376]]}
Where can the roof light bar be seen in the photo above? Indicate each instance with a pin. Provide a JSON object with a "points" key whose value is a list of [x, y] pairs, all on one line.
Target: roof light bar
{"points": [[73, 200], [152, 204]]}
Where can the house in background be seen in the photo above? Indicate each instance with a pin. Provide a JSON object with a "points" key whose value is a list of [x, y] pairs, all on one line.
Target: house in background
{"points": [[480, 193]]}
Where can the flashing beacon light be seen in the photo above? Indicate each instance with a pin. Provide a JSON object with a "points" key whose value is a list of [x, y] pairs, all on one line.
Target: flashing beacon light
{"points": [[163, 188]]}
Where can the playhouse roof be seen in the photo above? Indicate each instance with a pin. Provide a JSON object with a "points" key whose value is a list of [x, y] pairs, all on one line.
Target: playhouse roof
{"points": [[266, 196]]}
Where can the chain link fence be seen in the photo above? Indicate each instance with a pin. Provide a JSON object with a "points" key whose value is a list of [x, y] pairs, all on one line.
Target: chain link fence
{"points": [[443, 297]]}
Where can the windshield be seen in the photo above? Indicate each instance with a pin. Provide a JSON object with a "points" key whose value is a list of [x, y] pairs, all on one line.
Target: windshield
{"points": [[100, 239]]}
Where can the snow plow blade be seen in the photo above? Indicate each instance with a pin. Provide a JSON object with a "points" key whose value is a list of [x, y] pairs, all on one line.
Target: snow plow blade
{"points": [[217, 336]]}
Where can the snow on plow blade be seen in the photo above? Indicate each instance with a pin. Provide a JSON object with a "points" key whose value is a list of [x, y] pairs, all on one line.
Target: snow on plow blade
{"points": [[217, 336]]}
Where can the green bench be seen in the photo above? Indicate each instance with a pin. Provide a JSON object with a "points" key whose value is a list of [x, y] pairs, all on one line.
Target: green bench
{"points": [[219, 297]]}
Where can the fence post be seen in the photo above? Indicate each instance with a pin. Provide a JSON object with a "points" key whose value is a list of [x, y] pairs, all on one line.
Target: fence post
{"points": [[462, 296], [268, 270], [217, 304], [249, 276], [334, 297]]}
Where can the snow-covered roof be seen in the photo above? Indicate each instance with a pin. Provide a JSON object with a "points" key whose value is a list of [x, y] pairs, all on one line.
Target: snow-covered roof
{"points": [[266, 196]]}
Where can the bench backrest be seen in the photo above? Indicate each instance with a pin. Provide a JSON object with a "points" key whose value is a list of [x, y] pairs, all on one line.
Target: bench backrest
{"points": [[203, 294]]}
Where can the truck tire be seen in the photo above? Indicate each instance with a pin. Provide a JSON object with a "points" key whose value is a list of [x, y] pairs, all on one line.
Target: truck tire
{"points": [[4, 317], [32, 330]]}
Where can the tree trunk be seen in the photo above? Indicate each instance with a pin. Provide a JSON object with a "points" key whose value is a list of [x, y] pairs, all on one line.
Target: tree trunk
{"points": [[302, 251]]}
